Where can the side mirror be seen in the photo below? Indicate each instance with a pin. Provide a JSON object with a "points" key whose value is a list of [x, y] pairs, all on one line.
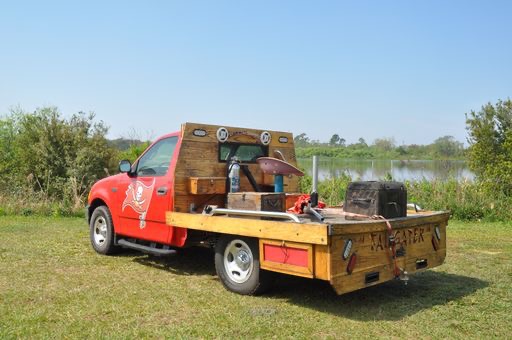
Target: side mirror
{"points": [[125, 166]]}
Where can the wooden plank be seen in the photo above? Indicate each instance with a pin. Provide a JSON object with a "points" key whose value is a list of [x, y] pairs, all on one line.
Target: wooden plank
{"points": [[322, 262], [345, 284], [371, 247], [359, 226], [414, 239], [266, 201], [207, 185], [314, 233], [286, 268], [182, 202], [236, 134]]}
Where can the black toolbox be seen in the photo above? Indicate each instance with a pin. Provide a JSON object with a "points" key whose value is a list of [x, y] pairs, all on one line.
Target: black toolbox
{"points": [[388, 199]]}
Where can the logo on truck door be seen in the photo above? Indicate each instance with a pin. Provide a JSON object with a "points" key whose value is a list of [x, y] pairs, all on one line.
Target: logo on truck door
{"points": [[138, 197]]}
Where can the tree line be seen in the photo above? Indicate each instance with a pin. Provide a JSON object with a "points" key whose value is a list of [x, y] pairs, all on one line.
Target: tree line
{"points": [[446, 147], [48, 162]]}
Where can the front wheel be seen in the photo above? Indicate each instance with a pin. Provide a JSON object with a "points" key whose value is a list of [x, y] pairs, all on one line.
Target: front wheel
{"points": [[238, 266], [102, 231]]}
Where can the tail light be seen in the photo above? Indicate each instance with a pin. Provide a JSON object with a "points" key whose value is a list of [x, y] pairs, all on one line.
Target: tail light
{"points": [[437, 231], [347, 249], [435, 243], [351, 263]]}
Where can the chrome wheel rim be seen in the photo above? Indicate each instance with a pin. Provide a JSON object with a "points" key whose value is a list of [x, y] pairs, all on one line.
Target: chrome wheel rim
{"points": [[100, 231], [238, 261]]}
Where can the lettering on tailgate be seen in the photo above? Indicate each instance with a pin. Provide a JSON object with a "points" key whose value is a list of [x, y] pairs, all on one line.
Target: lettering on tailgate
{"points": [[403, 237]]}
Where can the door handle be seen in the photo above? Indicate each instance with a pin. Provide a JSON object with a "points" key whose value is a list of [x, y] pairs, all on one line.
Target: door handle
{"points": [[161, 191]]}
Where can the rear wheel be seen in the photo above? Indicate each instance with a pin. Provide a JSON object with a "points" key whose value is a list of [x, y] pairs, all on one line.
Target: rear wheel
{"points": [[238, 266], [102, 231]]}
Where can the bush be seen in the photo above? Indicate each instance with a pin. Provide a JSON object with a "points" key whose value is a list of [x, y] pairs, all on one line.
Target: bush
{"points": [[48, 163], [465, 199], [331, 191], [490, 151]]}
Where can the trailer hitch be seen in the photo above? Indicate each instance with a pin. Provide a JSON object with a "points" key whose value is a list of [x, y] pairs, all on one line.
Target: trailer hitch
{"points": [[404, 276]]}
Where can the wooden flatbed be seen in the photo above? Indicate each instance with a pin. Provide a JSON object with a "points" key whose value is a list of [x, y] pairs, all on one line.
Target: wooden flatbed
{"points": [[350, 254], [318, 247]]}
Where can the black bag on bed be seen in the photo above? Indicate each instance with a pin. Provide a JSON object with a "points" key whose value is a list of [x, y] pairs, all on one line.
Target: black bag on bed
{"points": [[388, 199]]}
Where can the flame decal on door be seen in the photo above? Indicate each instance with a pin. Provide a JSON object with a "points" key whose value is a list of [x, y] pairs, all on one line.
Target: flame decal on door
{"points": [[138, 197]]}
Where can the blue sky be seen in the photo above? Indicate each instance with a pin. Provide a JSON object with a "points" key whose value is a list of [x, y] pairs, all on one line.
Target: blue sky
{"points": [[402, 69]]}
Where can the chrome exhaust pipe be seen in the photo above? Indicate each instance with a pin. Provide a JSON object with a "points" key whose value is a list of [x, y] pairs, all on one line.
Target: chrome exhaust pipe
{"points": [[211, 210], [315, 173], [314, 191]]}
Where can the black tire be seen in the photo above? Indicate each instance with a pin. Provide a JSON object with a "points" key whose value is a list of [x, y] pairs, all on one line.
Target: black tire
{"points": [[102, 231], [252, 281]]}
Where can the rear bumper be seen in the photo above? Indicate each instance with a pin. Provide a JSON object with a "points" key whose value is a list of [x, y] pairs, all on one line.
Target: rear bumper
{"points": [[371, 276], [420, 245]]}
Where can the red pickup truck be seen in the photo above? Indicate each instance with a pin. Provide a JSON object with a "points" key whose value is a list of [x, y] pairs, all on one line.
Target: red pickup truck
{"points": [[177, 194]]}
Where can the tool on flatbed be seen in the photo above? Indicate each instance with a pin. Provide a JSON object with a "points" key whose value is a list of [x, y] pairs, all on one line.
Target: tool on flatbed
{"points": [[313, 202], [278, 168]]}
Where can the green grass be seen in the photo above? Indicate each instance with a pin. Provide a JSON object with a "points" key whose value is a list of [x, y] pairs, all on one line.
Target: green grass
{"points": [[52, 284]]}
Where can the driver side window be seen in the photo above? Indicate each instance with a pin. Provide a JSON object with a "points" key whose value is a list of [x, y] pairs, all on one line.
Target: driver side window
{"points": [[156, 161]]}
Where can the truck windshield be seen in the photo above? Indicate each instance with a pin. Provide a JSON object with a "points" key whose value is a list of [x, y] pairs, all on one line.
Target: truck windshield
{"points": [[246, 153], [155, 162]]}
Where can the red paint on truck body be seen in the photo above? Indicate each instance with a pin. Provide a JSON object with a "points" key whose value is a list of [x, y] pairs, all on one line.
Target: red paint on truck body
{"points": [[138, 202]]}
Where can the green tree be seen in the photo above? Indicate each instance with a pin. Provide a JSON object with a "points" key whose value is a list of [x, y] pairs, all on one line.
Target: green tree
{"points": [[402, 150], [384, 144], [7, 152], [53, 155], [490, 139], [335, 139], [447, 147], [301, 140], [134, 151]]}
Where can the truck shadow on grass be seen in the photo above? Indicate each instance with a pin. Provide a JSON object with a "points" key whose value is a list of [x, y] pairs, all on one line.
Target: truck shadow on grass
{"points": [[388, 301], [188, 261]]}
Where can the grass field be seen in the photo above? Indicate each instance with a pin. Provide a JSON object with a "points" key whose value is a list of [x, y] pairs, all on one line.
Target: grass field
{"points": [[52, 284]]}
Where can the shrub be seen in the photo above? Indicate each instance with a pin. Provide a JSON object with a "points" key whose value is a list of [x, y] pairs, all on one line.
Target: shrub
{"points": [[48, 163], [490, 151]]}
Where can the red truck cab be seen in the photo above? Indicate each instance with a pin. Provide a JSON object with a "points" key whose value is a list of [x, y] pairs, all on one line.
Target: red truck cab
{"points": [[135, 201]]}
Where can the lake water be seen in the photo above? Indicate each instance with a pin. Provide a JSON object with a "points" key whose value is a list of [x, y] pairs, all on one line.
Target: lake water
{"points": [[400, 170]]}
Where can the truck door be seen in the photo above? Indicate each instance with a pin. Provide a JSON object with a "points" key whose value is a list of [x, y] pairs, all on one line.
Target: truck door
{"points": [[145, 196]]}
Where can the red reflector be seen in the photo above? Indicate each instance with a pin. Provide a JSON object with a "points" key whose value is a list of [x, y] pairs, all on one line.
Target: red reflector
{"points": [[287, 255], [351, 263], [435, 244]]}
